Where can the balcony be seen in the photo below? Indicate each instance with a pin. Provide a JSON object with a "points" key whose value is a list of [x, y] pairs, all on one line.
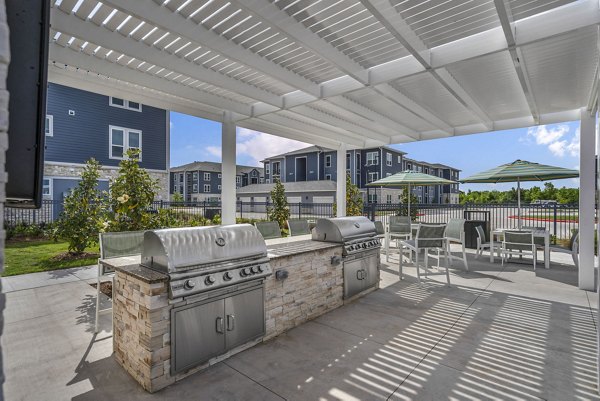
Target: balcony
{"points": [[498, 332]]}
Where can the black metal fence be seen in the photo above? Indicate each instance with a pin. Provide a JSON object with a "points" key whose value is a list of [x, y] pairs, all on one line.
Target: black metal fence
{"points": [[561, 220]]}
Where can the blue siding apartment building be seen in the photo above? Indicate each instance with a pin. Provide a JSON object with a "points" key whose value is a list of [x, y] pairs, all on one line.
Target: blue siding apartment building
{"points": [[81, 125], [201, 181], [316, 163]]}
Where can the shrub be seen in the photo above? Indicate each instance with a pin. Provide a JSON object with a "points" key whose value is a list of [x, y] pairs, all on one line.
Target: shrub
{"points": [[176, 197], [31, 231], [131, 196], [403, 210], [83, 211], [279, 211]]}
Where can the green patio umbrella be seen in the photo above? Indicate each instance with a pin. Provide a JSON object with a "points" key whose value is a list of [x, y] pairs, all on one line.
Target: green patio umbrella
{"points": [[410, 178], [519, 171]]}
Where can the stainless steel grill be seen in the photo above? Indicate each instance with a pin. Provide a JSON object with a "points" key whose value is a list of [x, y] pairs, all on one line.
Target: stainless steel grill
{"points": [[358, 236], [199, 259], [356, 233]]}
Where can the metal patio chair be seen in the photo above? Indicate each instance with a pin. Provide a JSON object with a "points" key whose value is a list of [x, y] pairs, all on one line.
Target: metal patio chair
{"points": [[268, 229], [115, 245], [428, 237], [483, 243], [298, 227], [398, 229], [455, 234], [572, 248], [518, 243]]}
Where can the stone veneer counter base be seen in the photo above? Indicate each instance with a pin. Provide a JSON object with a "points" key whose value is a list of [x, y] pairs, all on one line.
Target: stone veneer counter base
{"points": [[142, 310]]}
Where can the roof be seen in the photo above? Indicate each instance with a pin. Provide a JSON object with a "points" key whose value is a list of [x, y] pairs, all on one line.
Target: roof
{"points": [[315, 73], [213, 167], [291, 187], [308, 149]]}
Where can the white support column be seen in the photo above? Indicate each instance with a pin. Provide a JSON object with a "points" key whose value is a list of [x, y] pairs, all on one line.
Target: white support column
{"points": [[587, 203], [341, 181], [228, 163]]}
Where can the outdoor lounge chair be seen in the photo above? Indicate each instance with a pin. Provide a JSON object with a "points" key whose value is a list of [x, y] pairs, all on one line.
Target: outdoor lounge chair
{"points": [[483, 243], [298, 227], [427, 237], [380, 229], [268, 229], [517, 243], [115, 245], [398, 229], [455, 234], [572, 248]]}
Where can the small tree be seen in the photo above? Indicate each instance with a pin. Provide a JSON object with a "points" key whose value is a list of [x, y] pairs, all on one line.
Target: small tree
{"points": [[280, 211], [403, 210], [354, 199], [83, 211], [177, 197], [131, 196]]}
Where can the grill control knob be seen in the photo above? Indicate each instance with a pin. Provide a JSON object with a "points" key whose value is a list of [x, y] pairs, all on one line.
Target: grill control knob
{"points": [[209, 280], [254, 269], [259, 268], [227, 276], [244, 272], [189, 284]]}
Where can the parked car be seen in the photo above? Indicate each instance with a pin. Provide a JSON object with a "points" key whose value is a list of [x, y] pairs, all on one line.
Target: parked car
{"points": [[542, 202]]}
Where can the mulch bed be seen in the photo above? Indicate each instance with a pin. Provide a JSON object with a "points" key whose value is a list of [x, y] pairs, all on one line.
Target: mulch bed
{"points": [[66, 256], [105, 288]]}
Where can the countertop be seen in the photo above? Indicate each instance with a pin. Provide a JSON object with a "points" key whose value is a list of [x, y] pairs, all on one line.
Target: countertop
{"points": [[289, 246], [276, 248]]}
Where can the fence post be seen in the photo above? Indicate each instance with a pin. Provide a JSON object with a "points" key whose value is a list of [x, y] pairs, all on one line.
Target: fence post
{"points": [[373, 210], [299, 210], [241, 209], [555, 225]]}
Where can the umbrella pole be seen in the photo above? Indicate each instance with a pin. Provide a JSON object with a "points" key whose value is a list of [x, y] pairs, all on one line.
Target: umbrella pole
{"points": [[519, 202], [409, 201]]}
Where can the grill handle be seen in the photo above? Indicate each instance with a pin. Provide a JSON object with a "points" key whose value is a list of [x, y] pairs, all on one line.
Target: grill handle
{"points": [[230, 322], [220, 325]]}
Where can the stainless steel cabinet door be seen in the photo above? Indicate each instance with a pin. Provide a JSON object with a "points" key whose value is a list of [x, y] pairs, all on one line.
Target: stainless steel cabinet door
{"points": [[199, 334], [371, 267], [353, 273], [244, 317]]}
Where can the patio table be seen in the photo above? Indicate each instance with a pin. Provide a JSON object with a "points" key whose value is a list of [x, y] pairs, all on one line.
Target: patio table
{"points": [[545, 234]]}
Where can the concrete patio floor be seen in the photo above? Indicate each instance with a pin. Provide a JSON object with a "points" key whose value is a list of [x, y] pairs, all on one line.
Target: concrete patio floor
{"points": [[497, 333]]}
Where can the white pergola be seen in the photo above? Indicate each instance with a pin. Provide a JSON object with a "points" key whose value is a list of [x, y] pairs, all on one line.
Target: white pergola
{"points": [[345, 73]]}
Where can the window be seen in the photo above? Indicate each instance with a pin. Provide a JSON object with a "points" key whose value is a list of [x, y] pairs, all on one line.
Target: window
{"points": [[328, 177], [206, 176], [388, 198], [372, 158], [219, 175], [328, 161], [49, 129], [373, 176], [253, 173], [347, 161], [276, 169], [372, 198], [206, 187], [195, 188], [426, 170], [358, 161], [122, 139], [268, 181], [195, 176], [388, 159], [267, 168], [399, 159], [261, 180], [219, 187], [238, 179], [408, 166], [46, 187], [125, 104]]}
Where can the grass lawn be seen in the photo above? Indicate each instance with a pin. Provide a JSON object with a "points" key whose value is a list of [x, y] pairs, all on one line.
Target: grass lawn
{"points": [[38, 256]]}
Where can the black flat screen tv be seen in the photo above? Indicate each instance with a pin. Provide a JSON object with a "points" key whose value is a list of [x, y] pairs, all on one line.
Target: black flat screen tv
{"points": [[29, 23]]}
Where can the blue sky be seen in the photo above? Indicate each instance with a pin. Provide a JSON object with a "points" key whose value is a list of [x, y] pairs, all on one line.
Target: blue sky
{"points": [[196, 139]]}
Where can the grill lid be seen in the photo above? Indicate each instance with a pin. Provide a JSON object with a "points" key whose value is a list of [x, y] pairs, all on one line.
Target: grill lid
{"points": [[177, 249], [343, 229]]}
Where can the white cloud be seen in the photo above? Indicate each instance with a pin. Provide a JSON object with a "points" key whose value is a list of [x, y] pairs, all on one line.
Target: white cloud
{"points": [[214, 150], [554, 138], [545, 136], [258, 145]]}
